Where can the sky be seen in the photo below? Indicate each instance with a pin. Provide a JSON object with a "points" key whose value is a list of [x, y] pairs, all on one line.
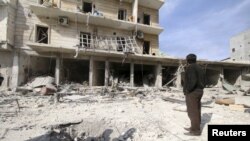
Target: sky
{"points": [[203, 27]]}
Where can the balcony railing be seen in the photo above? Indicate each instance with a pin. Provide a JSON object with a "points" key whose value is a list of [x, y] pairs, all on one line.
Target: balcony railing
{"points": [[109, 43]]}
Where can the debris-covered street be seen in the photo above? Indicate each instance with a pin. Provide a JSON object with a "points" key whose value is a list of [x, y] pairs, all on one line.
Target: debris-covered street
{"points": [[147, 114]]}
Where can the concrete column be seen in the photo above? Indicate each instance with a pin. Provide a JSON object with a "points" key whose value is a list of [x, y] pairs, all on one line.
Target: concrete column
{"points": [[135, 10], [91, 69], [106, 80], [221, 78], [57, 70], [59, 3], [132, 74], [240, 77], [178, 78], [158, 81], [15, 71]]}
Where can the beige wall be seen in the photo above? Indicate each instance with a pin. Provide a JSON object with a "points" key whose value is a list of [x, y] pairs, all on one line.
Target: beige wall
{"points": [[11, 24], [68, 36], [3, 23], [153, 15], [7, 22]]}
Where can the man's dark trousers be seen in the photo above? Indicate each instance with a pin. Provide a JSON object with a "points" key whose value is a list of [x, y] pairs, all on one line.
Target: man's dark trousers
{"points": [[193, 101]]}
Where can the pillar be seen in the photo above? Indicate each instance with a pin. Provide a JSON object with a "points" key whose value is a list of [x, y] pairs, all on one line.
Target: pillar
{"points": [[179, 77], [158, 81], [132, 74], [59, 3], [91, 69], [135, 10], [221, 78], [57, 70], [106, 80], [15, 71]]}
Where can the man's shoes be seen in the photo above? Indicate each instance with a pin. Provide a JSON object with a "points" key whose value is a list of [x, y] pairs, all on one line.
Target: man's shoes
{"points": [[192, 133], [188, 129]]}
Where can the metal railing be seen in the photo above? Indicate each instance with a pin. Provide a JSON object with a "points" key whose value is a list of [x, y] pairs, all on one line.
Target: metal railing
{"points": [[109, 43]]}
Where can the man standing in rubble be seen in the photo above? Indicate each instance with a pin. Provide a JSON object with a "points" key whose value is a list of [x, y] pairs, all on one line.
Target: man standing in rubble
{"points": [[194, 83]]}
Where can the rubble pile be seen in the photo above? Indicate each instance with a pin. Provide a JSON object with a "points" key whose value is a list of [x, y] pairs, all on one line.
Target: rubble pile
{"points": [[41, 110]]}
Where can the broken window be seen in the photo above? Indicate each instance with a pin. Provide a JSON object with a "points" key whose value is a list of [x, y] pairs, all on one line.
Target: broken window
{"points": [[146, 47], [120, 43], [146, 19], [122, 14], [87, 7], [42, 35], [85, 39]]}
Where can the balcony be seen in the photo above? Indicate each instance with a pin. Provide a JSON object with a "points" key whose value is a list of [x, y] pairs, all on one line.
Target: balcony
{"points": [[89, 19], [154, 4], [92, 43]]}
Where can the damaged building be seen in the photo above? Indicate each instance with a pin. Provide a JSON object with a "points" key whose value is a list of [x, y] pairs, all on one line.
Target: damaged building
{"points": [[94, 42]]}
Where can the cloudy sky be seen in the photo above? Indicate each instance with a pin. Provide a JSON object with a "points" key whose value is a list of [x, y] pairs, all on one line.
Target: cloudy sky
{"points": [[203, 27]]}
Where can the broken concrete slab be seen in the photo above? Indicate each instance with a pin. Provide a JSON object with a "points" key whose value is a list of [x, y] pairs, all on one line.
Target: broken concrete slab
{"points": [[180, 108], [227, 86], [226, 101], [244, 100], [237, 107], [41, 81]]}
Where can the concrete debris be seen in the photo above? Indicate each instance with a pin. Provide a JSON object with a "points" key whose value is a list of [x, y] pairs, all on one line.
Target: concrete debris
{"points": [[238, 100], [75, 97], [106, 113], [243, 100], [53, 136], [235, 107], [63, 125], [42, 84], [41, 81], [48, 90], [227, 86], [127, 135], [180, 108], [73, 88], [225, 101]]}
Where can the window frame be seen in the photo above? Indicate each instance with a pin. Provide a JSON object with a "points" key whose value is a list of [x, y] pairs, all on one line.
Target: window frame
{"points": [[149, 47], [88, 40], [149, 22], [35, 36], [87, 2], [124, 14]]}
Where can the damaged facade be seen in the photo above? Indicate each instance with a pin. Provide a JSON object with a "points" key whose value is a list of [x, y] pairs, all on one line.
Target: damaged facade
{"points": [[239, 45], [95, 42]]}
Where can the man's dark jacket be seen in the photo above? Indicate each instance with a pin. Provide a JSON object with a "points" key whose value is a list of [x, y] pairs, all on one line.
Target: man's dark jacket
{"points": [[194, 78]]}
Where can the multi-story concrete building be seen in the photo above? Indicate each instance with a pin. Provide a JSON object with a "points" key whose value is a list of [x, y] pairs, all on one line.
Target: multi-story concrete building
{"points": [[92, 41], [240, 47], [53, 35]]}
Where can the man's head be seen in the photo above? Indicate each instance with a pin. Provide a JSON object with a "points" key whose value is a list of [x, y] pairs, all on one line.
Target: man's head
{"points": [[191, 58]]}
